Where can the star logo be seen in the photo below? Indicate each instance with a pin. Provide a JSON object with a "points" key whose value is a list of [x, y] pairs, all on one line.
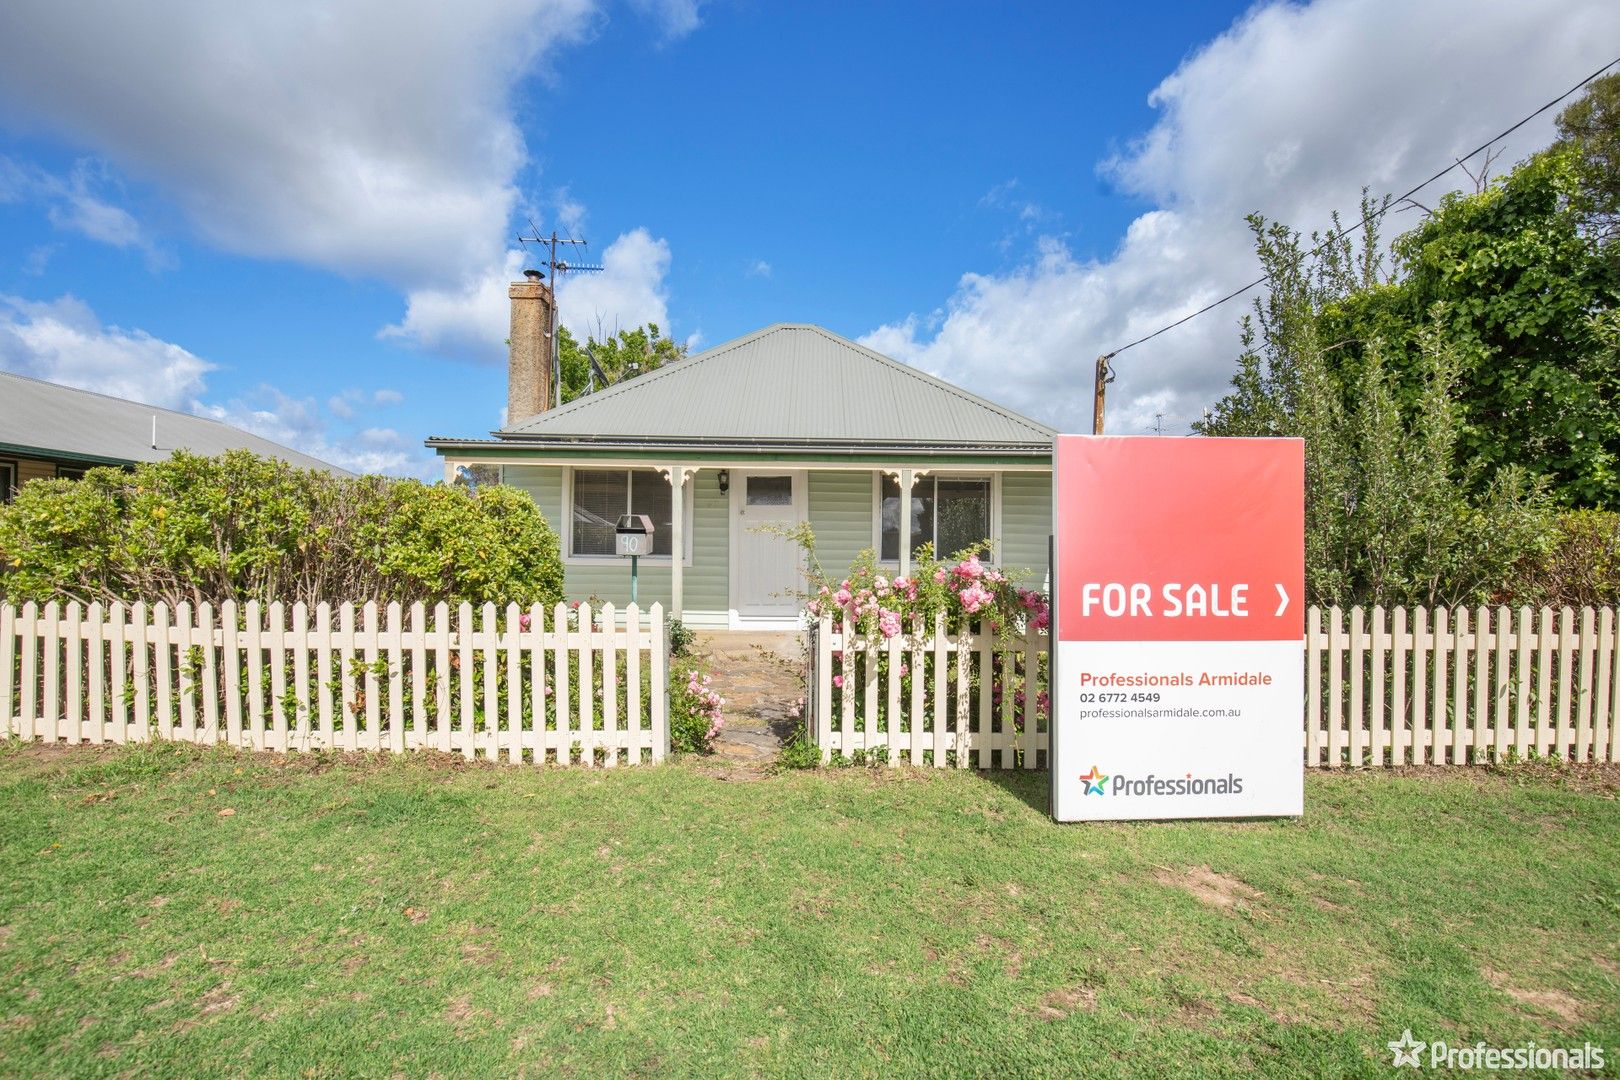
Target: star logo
{"points": [[1407, 1050], [1094, 782]]}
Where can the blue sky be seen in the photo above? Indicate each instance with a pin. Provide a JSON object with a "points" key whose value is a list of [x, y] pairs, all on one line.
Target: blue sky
{"points": [[299, 218]]}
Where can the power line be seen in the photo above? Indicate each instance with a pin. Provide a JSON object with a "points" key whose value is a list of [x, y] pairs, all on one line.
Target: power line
{"points": [[1371, 216]]}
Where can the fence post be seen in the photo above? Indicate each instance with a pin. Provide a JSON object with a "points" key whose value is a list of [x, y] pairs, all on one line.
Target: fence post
{"points": [[821, 693], [660, 687], [1607, 691], [610, 687], [8, 656], [1313, 686], [635, 733]]}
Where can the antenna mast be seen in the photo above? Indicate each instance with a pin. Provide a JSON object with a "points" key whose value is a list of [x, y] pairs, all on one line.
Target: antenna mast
{"points": [[558, 267]]}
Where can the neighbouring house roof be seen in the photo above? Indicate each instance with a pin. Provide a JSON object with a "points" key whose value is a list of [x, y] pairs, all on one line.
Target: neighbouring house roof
{"points": [[788, 386], [48, 420]]}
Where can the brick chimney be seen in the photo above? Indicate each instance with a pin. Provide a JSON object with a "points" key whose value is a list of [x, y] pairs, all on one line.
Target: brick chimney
{"points": [[529, 369]]}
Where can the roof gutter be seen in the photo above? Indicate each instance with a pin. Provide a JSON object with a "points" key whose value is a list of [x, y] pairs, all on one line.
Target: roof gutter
{"points": [[840, 448]]}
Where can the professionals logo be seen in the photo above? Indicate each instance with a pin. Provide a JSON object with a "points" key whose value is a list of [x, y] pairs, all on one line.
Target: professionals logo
{"points": [[1190, 784]]}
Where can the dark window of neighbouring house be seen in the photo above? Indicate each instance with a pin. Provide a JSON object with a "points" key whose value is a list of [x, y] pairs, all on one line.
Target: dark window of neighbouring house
{"points": [[69, 472], [8, 481], [950, 513], [602, 495]]}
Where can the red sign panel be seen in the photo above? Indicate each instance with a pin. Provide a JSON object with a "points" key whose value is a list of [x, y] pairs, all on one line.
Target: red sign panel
{"points": [[1162, 541]]}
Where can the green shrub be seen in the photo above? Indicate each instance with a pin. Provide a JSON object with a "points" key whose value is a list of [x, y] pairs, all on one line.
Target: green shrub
{"points": [[1580, 566], [681, 637], [245, 527]]}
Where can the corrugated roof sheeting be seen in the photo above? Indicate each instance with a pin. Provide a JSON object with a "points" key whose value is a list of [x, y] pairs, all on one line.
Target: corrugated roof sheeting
{"points": [[789, 382], [66, 421]]}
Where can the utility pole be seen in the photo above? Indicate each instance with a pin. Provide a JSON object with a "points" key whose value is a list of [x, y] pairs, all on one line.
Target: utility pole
{"points": [[1158, 423], [558, 267], [1104, 376]]}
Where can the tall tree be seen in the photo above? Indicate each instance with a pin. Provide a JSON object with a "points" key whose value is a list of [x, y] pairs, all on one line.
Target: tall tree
{"points": [[1526, 297], [1590, 129], [1392, 515], [619, 356]]}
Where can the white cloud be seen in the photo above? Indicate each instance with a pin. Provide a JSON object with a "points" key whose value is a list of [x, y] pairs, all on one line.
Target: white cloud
{"points": [[630, 290], [63, 341], [676, 18], [472, 318], [299, 423], [468, 319], [370, 137], [759, 268], [73, 203], [1289, 112]]}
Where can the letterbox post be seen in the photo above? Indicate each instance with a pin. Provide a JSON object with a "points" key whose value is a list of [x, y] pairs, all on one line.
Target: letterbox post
{"points": [[633, 536]]}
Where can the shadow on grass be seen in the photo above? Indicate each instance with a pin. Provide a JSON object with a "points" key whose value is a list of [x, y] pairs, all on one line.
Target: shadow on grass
{"points": [[1029, 786]]}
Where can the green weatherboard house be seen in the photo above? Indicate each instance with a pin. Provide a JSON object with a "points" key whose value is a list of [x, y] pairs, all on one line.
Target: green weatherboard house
{"points": [[785, 425]]}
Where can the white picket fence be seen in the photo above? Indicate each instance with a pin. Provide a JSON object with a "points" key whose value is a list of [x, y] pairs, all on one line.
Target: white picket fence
{"points": [[1460, 687], [579, 688], [929, 698], [1382, 689]]}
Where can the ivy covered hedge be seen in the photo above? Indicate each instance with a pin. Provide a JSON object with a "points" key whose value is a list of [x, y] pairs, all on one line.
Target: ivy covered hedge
{"points": [[246, 527]]}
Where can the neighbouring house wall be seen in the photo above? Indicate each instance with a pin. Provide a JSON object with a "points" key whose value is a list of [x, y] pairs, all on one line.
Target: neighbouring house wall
{"points": [[705, 583], [1026, 523], [25, 470]]}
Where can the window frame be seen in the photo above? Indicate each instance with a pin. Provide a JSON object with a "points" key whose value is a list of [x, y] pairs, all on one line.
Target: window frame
{"points": [[934, 476], [9, 487], [567, 532]]}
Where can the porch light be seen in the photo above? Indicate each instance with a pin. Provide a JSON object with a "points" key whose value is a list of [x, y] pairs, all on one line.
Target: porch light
{"points": [[724, 476]]}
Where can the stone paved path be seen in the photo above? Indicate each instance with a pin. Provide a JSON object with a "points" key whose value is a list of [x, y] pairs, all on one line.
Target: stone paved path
{"points": [[757, 674]]}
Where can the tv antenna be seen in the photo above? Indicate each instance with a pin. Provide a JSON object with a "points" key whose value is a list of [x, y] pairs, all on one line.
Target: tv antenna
{"points": [[549, 244], [558, 267]]}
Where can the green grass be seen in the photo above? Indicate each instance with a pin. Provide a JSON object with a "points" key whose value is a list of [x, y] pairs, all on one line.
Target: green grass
{"points": [[430, 918]]}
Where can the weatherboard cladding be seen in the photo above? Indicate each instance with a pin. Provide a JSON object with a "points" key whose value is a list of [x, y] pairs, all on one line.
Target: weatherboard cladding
{"points": [[788, 383], [65, 422]]}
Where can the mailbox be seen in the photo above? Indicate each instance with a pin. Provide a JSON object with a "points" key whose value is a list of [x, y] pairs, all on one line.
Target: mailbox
{"points": [[633, 535]]}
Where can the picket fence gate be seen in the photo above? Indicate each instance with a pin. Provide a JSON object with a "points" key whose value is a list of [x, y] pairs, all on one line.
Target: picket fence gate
{"points": [[584, 688], [928, 697], [1458, 687]]}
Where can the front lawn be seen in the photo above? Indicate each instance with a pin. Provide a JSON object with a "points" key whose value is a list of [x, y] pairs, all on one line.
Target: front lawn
{"points": [[176, 912]]}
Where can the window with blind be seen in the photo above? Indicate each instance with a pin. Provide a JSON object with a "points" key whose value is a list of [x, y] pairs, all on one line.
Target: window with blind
{"points": [[951, 513], [602, 496]]}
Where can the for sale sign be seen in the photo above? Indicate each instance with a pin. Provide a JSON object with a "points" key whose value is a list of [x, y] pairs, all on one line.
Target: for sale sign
{"points": [[1178, 655]]}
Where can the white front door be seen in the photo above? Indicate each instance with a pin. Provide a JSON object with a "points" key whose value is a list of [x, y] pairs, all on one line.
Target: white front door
{"points": [[765, 575]]}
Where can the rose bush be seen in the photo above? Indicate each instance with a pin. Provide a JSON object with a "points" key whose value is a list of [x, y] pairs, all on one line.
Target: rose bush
{"points": [[962, 593], [962, 588], [695, 710]]}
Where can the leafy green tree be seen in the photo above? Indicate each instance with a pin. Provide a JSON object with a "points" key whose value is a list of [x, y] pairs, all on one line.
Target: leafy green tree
{"points": [[1527, 300], [1392, 515], [619, 356], [1590, 129]]}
